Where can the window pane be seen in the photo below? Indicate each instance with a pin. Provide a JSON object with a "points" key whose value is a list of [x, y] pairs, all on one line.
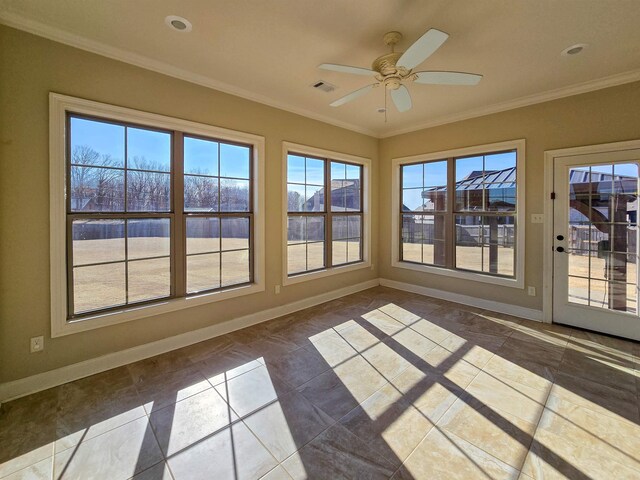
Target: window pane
{"points": [[353, 250], [315, 229], [339, 227], [339, 251], [412, 176], [148, 237], [486, 244], [296, 198], [354, 172], [295, 169], [235, 267], [296, 230], [433, 234], [97, 241], [200, 194], [412, 238], [97, 189], [234, 195], [469, 199], [338, 195], [200, 156], [149, 279], [500, 161], [315, 171], [355, 226], [235, 233], [234, 161], [352, 196], [203, 272], [435, 182], [469, 240], [469, 169], [338, 171], [203, 235], [412, 200], [98, 287], [148, 149], [500, 198], [148, 191], [315, 199], [96, 143], [296, 258], [315, 255]]}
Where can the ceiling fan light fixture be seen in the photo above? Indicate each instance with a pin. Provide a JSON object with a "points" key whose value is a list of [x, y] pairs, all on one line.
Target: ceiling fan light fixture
{"points": [[179, 24], [573, 49]]}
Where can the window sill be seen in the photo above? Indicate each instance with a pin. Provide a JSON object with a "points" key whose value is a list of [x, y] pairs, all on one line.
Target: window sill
{"points": [[303, 277], [476, 277], [163, 306]]}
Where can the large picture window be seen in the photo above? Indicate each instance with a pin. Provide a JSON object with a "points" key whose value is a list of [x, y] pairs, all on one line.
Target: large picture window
{"points": [[325, 213], [462, 211], [155, 211]]}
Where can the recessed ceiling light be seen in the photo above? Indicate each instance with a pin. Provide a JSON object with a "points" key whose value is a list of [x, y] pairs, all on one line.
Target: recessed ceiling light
{"points": [[574, 49], [179, 24]]}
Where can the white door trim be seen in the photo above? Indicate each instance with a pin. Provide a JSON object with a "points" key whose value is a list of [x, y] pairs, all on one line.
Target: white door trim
{"points": [[549, 160]]}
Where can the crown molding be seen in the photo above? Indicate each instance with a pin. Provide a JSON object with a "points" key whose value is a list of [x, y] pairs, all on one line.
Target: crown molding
{"points": [[19, 22], [576, 89]]}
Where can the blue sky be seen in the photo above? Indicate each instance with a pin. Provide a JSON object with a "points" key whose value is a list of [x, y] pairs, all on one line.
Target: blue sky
{"points": [[202, 155]]}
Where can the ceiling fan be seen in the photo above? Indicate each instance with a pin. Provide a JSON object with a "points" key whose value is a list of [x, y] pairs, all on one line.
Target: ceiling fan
{"points": [[396, 68]]}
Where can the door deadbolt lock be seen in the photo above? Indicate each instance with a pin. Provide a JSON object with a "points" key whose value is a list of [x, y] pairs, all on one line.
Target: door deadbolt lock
{"points": [[560, 249], [560, 237]]}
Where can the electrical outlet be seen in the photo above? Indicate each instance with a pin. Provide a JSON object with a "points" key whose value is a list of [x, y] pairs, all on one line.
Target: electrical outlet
{"points": [[537, 218], [277, 289], [531, 291], [37, 344]]}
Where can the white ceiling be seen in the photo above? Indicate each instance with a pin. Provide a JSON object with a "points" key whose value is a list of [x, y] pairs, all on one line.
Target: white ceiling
{"points": [[268, 50]]}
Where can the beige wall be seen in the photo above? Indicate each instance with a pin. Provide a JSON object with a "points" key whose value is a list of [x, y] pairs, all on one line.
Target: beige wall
{"points": [[602, 116], [31, 67]]}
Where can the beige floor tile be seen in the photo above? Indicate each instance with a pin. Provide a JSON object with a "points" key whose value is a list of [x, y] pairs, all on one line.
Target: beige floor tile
{"points": [[162, 390], [386, 360], [443, 455], [474, 348], [252, 391], [340, 390], [606, 370], [612, 436], [431, 394], [91, 406], [450, 365], [498, 433], [359, 337], [117, 454], [278, 473], [189, 421], [400, 314], [333, 348], [270, 348], [383, 322], [596, 396], [388, 424], [43, 470], [159, 471], [299, 366], [414, 343], [552, 457], [516, 399], [288, 424], [431, 330], [527, 373], [233, 453], [229, 363], [337, 454], [543, 334]]}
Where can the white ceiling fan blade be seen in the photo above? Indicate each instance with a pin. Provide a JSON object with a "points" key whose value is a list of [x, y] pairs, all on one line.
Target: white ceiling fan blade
{"points": [[401, 98], [353, 95], [422, 49], [448, 78], [347, 69]]}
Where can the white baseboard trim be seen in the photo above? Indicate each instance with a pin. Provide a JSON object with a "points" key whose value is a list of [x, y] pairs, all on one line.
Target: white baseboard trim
{"points": [[42, 381], [523, 312]]}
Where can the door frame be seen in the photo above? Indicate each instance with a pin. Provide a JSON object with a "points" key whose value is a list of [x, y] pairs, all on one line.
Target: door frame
{"points": [[549, 164]]}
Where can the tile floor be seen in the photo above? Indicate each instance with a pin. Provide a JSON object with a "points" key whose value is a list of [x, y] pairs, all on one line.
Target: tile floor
{"points": [[380, 384]]}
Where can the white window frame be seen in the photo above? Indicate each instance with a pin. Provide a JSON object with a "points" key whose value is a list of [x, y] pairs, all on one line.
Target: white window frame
{"points": [[59, 106], [288, 147], [397, 163]]}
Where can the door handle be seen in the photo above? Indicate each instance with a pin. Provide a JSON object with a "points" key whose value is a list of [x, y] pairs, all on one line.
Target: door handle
{"points": [[560, 249], [560, 237]]}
